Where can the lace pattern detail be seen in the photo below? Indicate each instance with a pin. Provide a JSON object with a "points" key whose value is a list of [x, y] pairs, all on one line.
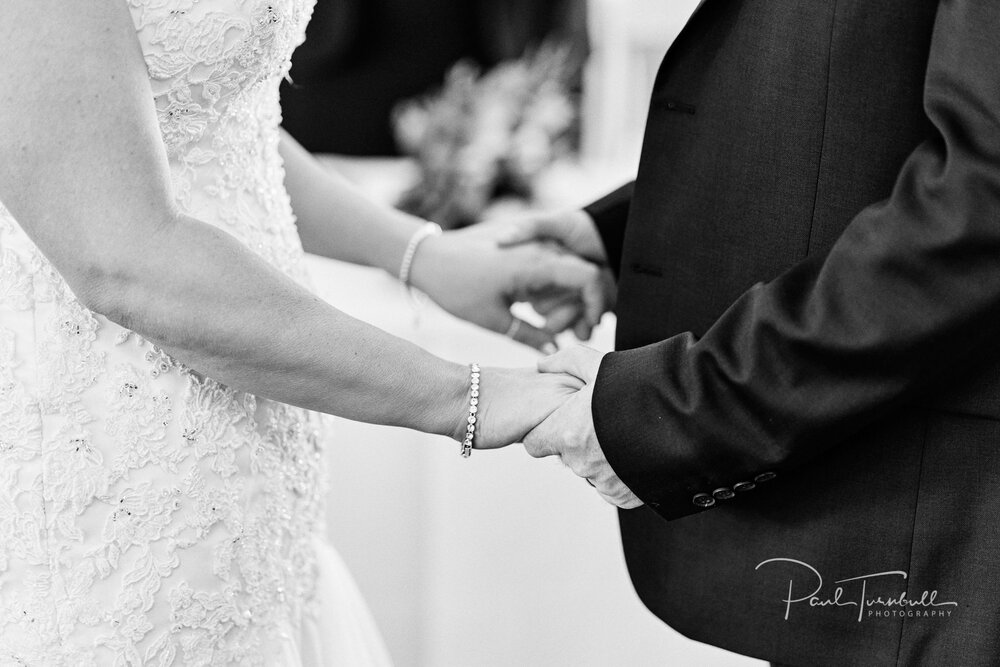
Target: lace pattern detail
{"points": [[150, 515]]}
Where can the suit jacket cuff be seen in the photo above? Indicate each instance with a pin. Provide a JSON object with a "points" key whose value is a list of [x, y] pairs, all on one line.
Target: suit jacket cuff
{"points": [[650, 433], [610, 213]]}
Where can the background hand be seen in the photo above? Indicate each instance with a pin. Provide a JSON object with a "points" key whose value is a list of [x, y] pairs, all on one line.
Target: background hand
{"points": [[514, 401], [569, 432], [468, 274], [572, 230]]}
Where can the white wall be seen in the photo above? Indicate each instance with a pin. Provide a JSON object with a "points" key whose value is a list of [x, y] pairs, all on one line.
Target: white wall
{"points": [[628, 40]]}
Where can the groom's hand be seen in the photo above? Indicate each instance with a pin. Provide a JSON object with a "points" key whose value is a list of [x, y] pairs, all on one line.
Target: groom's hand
{"points": [[569, 431], [471, 276], [573, 230]]}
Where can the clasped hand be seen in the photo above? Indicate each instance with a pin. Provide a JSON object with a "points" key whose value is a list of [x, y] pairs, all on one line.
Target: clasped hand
{"points": [[479, 272], [569, 431], [556, 262], [550, 412]]}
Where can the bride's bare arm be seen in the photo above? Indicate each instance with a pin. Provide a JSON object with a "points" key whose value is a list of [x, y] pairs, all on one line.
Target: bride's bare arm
{"points": [[84, 172], [335, 220], [466, 272]]}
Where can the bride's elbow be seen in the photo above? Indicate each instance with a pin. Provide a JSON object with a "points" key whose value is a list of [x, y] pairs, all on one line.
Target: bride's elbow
{"points": [[121, 276], [111, 291]]}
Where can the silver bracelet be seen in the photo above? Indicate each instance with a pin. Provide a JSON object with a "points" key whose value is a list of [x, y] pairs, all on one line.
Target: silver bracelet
{"points": [[427, 229], [470, 431]]}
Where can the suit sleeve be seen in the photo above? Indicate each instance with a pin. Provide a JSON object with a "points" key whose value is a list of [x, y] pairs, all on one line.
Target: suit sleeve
{"points": [[797, 365], [610, 213]]}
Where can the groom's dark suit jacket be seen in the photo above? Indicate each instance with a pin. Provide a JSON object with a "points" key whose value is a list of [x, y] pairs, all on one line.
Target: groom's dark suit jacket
{"points": [[809, 322]]}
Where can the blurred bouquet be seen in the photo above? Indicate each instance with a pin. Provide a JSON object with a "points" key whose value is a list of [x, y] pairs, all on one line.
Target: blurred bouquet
{"points": [[488, 135]]}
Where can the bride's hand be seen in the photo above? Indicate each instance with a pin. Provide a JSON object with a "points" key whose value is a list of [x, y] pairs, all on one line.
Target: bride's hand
{"points": [[514, 401], [468, 274]]}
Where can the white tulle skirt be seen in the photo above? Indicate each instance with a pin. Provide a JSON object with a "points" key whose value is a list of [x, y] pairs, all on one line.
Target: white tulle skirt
{"points": [[344, 632]]}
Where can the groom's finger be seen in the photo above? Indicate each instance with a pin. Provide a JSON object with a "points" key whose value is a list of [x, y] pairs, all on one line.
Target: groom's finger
{"points": [[579, 361], [625, 502], [530, 228], [543, 305], [566, 272], [614, 490], [530, 335], [537, 446], [606, 498], [561, 318], [562, 314], [539, 451], [594, 300], [569, 273]]}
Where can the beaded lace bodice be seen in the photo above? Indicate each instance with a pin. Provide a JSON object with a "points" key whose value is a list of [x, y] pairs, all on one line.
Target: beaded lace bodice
{"points": [[214, 66], [148, 515]]}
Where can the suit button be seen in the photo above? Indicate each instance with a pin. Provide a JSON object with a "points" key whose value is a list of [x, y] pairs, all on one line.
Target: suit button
{"points": [[723, 493], [703, 500], [744, 486], [764, 477]]}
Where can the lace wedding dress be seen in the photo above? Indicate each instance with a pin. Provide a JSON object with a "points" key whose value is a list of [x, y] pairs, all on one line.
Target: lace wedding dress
{"points": [[149, 515]]}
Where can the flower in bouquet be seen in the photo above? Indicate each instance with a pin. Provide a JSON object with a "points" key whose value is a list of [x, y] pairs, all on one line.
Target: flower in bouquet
{"points": [[488, 135]]}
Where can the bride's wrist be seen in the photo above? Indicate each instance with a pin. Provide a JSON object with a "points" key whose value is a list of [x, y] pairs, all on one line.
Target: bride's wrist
{"points": [[387, 251], [429, 263], [447, 407]]}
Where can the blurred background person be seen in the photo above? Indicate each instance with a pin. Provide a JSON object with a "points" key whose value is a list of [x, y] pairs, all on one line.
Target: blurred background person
{"points": [[361, 57]]}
